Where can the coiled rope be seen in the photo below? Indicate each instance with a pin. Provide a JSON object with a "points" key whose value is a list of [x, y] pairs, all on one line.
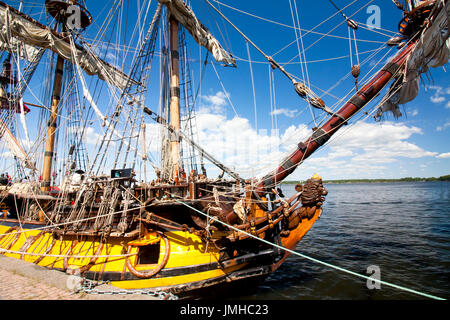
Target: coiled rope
{"points": [[316, 260]]}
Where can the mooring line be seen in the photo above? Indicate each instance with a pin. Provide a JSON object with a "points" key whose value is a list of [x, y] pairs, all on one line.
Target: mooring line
{"points": [[316, 260]]}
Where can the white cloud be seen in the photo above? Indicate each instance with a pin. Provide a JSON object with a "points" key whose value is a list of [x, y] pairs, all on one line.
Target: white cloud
{"points": [[286, 112], [6, 154], [214, 103], [111, 54], [366, 150], [440, 95], [89, 134], [236, 143], [152, 137], [437, 99], [340, 153], [443, 127], [444, 155]]}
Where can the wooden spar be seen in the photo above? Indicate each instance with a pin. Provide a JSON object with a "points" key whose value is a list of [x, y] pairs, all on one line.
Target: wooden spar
{"points": [[174, 99], [51, 130], [324, 133], [57, 10]]}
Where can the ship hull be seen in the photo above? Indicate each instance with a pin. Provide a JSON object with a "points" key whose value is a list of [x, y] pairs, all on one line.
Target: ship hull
{"points": [[173, 261]]}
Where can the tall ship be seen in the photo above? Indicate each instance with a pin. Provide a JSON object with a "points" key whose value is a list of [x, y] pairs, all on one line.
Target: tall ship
{"points": [[104, 174]]}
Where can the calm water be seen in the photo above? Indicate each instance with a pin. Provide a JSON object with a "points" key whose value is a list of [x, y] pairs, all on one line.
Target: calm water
{"points": [[403, 228]]}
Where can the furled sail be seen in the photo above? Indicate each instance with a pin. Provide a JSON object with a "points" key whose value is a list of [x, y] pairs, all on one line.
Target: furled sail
{"points": [[23, 50], [184, 15], [432, 50], [20, 33]]}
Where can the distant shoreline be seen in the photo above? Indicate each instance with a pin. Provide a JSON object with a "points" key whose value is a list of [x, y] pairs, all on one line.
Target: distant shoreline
{"points": [[407, 179]]}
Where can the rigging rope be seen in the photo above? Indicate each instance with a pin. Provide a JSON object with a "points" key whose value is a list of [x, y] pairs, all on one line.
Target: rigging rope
{"points": [[302, 90], [273, 105], [225, 91], [349, 21], [302, 56], [253, 86], [305, 30], [329, 33]]}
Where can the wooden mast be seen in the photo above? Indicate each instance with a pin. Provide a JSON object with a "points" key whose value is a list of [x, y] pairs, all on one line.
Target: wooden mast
{"points": [[61, 10], [174, 99], [51, 130]]}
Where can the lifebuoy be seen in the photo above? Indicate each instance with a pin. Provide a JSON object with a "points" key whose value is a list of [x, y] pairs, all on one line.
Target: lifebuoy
{"points": [[150, 273]]}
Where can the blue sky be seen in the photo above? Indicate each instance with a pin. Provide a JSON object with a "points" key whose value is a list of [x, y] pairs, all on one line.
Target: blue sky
{"points": [[414, 145]]}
